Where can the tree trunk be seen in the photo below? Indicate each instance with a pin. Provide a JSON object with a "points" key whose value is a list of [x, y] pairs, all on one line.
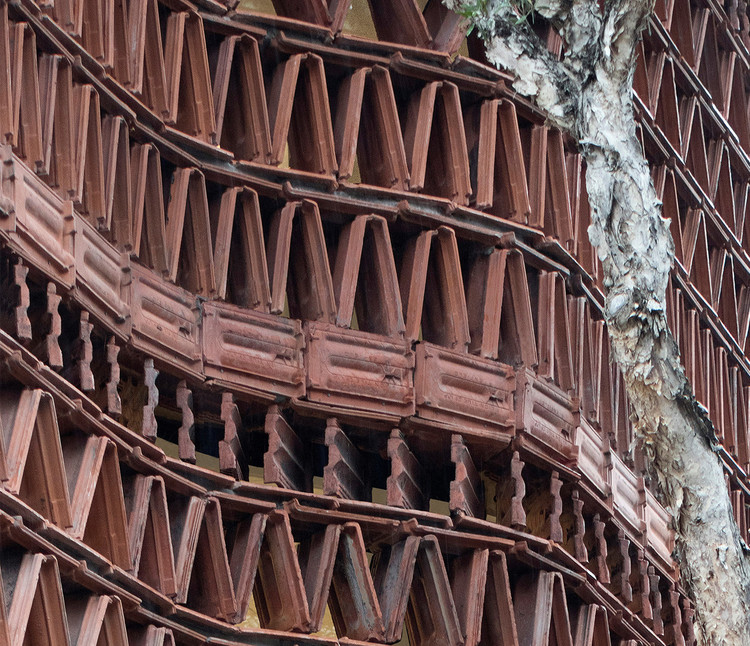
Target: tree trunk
{"points": [[589, 95]]}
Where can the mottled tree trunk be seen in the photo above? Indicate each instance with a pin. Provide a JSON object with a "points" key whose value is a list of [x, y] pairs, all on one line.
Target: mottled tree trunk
{"points": [[589, 95]]}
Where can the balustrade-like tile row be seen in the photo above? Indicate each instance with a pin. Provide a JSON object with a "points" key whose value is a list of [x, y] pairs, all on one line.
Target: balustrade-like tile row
{"points": [[96, 491]]}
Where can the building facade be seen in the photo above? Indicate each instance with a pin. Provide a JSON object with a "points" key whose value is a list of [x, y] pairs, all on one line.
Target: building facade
{"points": [[301, 336]]}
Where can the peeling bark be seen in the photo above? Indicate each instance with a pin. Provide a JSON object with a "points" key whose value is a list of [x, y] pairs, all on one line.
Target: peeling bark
{"points": [[589, 95]]}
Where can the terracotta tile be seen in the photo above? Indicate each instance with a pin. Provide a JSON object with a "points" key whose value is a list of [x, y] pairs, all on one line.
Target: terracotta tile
{"points": [[546, 418], [101, 621], [484, 302], [314, 11], [541, 609], [579, 529], [17, 291], [165, 321], [148, 235], [364, 276], [97, 504], [4, 627], [343, 476], [359, 370], [253, 367], [380, 145], [244, 552], [502, 184], [287, 462], [509, 509], [303, 279], [393, 571], [27, 114], [435, 143], [279, 590], [56, 97], [459, 389], [148, 74], [239, 221], [410, 29], [431, 616], [660, 538], [188, 82], [211, 591], [151, 636], [202, 571], [36, 603], [88, 176], [468, 579], [353, 603], [6, 101], [41, 227], [591, 627], [34, 458], [118, 207], [317, 557], [186, 432], [432, 290], [149, 532], [102, 278], [407, 483], [302, 120], [149, 425], [593, 460], [498, 621], [517, 340], [232, 459], [191, 264], [466, 488], [49, 348], [346, 120]]}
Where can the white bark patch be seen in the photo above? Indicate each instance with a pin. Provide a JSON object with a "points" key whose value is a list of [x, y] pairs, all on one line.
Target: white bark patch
{"points": [[589, 95]]}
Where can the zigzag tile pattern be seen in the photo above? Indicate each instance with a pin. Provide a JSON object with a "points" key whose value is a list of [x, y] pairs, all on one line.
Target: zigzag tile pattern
{"points": [[352, 277]]}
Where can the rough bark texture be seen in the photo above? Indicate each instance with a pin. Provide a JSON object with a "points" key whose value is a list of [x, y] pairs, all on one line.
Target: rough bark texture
{"points": [[589, 95]]}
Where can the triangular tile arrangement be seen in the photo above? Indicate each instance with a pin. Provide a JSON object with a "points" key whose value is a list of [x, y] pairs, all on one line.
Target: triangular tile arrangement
{"points": [[308, 251]]}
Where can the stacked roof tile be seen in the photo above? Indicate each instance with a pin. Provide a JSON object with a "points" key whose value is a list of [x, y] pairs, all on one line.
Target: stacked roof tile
{"points": [[301, 337]]}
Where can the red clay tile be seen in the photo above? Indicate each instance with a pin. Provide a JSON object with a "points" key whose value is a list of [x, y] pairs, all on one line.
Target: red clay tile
{"points": [[302, 120], [468, 578], [165, 321], [36, 602], [393, 572], [239, 100], [354, 369], [343, 476], [431, 616], [41, 227], [34, 458], [466, 488], [118, 200], [287, 461], [499, 621], [239, 221], [102, 278], [407, 484], [364, 275], [97, 503], [472, 393], [243, 560], [353, 603], [188, 229], [541, 609], [279, 589], [149, 533], [253, 351]]}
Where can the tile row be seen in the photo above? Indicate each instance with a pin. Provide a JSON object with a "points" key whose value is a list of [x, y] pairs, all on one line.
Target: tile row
{"points": [[101, 488]]}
